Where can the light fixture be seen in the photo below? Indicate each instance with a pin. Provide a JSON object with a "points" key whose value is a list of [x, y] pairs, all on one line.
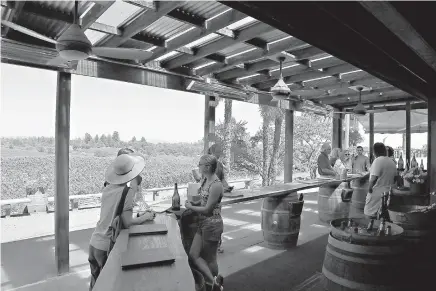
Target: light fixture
{"points": [[280, 91]]}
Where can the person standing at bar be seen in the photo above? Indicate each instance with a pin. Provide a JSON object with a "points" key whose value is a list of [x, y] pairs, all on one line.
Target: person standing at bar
{"points": [[215, 150], [124, 169], [361, 162], [205, 244], [382, 177], [324, 167]]}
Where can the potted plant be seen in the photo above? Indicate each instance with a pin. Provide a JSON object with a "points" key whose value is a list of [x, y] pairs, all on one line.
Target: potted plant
{"points": [[417, 180]]}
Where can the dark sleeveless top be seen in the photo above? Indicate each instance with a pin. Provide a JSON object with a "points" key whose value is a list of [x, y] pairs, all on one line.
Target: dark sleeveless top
{"points": [[204, 193]]}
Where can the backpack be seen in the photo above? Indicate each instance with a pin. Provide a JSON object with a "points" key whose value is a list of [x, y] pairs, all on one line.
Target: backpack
{"points": [[117, 222]]}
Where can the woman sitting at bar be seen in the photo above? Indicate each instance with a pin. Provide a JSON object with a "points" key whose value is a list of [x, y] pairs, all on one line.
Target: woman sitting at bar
{"points": [[324, 167], [205, 243]]}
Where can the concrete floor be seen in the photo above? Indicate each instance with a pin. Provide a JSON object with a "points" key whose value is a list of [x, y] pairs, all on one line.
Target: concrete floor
{"points": [[29, 264]]}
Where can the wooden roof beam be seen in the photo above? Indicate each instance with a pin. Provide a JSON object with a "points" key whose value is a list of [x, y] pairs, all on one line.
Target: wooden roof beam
{"points": [[274, 49], [304, 66], [140, 23], [394, 21], [372, 97], [178, 13], [294, 71], [12, 14], [94, 13], [348, 30], [414, 106], [381, 92], [244, 35], [211, 26], [88, 21]]}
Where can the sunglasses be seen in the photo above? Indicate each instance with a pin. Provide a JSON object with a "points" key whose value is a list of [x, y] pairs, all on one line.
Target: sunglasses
{"points": [[203, 164]]}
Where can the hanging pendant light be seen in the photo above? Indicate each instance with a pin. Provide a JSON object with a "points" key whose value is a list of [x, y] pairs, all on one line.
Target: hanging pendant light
{"points": [[280, 91]]}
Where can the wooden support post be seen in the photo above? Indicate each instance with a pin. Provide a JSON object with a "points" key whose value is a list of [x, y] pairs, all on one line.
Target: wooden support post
{"points": [[289, 146], [62, 201], [209, 122], [371, 137], [408, 135], [431, 147], [346, 144], [337, 131]]}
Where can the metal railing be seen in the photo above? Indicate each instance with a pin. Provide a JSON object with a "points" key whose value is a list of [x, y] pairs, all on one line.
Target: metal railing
{"points": [[6, 205]]}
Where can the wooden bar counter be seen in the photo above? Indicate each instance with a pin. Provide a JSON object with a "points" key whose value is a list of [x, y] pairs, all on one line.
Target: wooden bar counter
{"points": [[174, 277]]}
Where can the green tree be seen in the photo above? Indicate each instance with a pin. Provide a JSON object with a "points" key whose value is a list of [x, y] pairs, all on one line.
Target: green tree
{"points": [[103, 139], [143, 139], [88, 137], [133, 139], [116, 137], [96, 138]]}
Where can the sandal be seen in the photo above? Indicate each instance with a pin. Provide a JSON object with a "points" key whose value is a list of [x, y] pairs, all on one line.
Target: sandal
{"points": [[218, 283]]}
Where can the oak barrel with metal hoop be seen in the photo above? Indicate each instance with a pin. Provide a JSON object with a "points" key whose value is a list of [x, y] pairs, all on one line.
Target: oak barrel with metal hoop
{"points": [[331, 204], [404, 196], [280, 225], [360, 190], [354, 264]]}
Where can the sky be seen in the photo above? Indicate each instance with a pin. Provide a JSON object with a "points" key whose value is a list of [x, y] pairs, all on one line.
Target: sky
{"points": [[100, 106]]}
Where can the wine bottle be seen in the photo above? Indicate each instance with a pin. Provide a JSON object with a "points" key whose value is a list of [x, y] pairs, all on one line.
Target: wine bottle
{"points": [[413, 163], [422, 165], [400, 163], [176, 199]]}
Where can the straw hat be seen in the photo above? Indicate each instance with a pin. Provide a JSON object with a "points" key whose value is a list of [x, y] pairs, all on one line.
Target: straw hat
{"points": [[124, 169]]}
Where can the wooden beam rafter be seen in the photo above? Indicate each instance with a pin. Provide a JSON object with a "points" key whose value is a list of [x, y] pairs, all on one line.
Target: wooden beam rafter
{"points": [[244, 35], [275, 48], [347, 31], [294, 71], [140, 23], [211, 26], [395, 22], [12, 14]]}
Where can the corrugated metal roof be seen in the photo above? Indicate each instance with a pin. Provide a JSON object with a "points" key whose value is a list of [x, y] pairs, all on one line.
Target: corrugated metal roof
{"points": [[64, 6], [119, 13], [204, 40], [132, 43], [166, 27], [273, 35], [42, 25], [204, 9], [234, 49]]}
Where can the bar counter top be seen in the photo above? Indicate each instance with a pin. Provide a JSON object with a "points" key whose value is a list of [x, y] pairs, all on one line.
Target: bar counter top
{"points": [[174, 277]]}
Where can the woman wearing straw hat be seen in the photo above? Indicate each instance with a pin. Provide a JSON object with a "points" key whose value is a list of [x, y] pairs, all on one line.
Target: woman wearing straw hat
{"points": [[204, 247], [124, 169]]}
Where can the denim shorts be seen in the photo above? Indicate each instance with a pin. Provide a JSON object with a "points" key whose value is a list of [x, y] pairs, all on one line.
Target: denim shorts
{"points": [[211, 228]]}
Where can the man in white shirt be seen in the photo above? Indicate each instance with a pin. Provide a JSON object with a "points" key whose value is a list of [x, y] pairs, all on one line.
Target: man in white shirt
{"points": [[382, 177]]}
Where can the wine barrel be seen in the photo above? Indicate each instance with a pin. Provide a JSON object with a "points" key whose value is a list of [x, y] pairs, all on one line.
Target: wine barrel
{"points": [[349, 266], [279, 226], [330, 204], [360, 190], [420, 236], [419, 227], [404, 196]]}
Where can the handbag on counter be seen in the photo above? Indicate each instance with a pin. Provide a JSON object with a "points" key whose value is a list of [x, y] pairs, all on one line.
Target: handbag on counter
{"points": [[117, 222]]}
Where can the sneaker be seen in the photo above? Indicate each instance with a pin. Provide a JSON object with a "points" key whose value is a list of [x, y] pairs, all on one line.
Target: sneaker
{"points": [[220, 250]]}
